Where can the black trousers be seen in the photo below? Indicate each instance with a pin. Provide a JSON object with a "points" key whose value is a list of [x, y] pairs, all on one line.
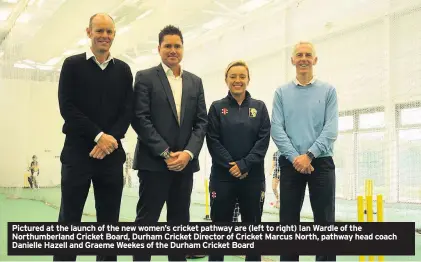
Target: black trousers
{"points": [[157, 188], [224, 195], [107, 181], [321, 186]]}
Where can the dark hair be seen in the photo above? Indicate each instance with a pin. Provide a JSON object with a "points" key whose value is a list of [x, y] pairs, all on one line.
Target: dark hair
{"points": [[92, 18], [170, 30]]}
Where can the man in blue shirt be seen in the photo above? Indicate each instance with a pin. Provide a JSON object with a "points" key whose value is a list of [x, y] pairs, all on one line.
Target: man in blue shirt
{"points": [[304, 127]]}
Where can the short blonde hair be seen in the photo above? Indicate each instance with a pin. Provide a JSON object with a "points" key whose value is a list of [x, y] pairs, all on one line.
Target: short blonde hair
{"points": [[303, 43], [237, 63]]}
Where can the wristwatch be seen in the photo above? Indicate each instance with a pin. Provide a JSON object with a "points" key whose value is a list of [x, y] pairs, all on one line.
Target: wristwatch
{"points": [[310, 155], [166, 154]]}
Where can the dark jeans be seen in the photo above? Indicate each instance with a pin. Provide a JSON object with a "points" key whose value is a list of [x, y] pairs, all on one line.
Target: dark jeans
{"points": [[321, 186]]}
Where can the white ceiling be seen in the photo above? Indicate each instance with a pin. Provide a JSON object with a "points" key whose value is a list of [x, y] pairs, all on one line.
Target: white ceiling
{"points": [[41, 33], [44, 32]]}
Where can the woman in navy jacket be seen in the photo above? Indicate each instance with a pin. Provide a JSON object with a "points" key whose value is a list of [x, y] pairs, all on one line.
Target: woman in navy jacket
{"points": [[237, 139]]}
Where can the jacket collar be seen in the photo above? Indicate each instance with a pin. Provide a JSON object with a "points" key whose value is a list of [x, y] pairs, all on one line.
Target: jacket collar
{"points": [[232, 99]]}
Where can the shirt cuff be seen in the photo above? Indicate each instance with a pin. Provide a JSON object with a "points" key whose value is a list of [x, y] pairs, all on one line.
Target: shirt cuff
{"points": [[242, 166], [190, 153], [98, 137], [292, 157]]}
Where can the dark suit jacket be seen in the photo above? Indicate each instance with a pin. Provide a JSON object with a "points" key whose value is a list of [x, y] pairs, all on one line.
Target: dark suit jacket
{"points": [[93, 100], [155, 119]]}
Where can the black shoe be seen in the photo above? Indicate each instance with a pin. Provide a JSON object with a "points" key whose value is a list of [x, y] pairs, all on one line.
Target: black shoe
{"points": [[194, 256]]}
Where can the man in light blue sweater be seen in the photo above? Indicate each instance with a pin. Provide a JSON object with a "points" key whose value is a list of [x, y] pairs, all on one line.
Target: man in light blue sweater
{"points": [[304, 127]]}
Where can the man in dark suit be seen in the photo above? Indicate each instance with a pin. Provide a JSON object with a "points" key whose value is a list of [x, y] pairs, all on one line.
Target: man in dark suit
{"points": [[95, 96], [170, 120]]}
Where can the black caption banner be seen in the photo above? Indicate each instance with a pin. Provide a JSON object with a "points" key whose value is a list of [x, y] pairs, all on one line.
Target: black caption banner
{"points": [[386, 238]]}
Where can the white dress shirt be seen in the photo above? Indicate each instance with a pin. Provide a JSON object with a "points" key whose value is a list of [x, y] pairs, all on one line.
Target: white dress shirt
{"points": [[104, 65], [299, 84], [176, 84]]}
